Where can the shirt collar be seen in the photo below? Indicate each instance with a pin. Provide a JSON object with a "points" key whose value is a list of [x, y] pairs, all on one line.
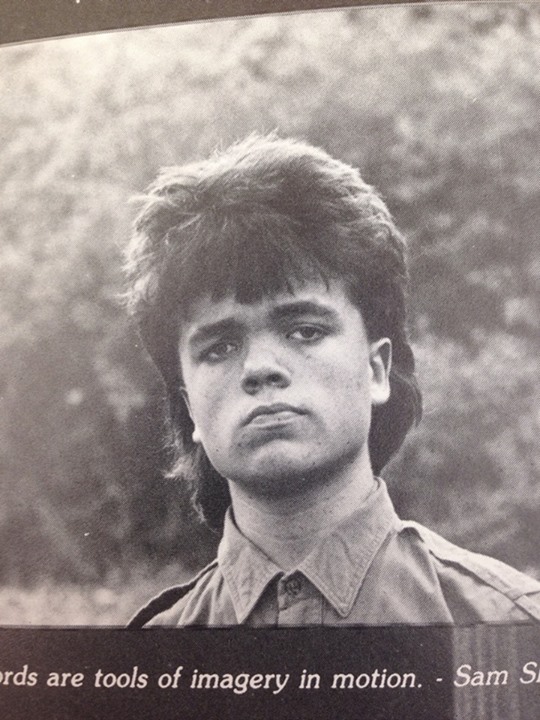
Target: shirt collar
{"points": [[336, 567], [246, 569]]}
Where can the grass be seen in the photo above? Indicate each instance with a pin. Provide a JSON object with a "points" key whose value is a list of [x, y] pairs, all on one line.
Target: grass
{"points": [[67, 605]]}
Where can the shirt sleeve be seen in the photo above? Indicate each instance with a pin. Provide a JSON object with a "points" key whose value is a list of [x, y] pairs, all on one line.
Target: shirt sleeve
{"points": [[478, 588]]}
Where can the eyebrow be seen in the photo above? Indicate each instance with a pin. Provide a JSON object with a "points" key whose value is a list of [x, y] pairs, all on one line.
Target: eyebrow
{"points": [[285, 311], [303, 307], [211, 330]]}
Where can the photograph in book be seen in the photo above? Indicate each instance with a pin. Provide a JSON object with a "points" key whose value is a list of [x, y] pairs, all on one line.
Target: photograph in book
{"points": [[270, 322]]}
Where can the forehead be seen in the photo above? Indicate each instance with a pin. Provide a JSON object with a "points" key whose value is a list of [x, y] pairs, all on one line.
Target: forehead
{"points": [[314, 297]]}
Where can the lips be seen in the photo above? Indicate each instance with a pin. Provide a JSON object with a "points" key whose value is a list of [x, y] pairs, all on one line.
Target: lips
{"points": [[274, 413]]}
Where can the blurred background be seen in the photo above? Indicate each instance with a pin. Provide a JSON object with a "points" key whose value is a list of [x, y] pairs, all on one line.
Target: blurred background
{"points": [[437, 105]]}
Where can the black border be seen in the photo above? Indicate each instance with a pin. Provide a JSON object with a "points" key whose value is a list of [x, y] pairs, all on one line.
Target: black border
{"points": [[24, 20]]}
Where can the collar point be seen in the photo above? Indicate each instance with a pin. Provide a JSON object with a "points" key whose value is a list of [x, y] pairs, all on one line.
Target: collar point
{"points": [[343, 610]]}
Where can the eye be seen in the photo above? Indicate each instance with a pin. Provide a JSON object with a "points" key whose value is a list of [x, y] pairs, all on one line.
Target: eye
{"points": [[219, 351], [307, 333]]}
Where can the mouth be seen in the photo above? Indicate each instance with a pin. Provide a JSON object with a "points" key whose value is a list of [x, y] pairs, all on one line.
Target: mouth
{"points": [[270, 415]]}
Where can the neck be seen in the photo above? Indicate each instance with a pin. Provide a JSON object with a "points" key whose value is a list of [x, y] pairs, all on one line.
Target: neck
{"points": [[287, 528]]}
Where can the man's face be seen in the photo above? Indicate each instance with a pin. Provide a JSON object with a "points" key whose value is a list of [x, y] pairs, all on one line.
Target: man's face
{"points": [[280, 391]]}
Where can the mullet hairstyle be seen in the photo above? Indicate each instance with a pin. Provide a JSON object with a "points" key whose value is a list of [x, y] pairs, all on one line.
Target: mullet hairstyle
{"points": [[254, 220]]}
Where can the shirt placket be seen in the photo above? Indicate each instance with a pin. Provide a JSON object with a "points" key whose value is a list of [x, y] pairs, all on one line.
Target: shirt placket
{"points": [[298, 602]]}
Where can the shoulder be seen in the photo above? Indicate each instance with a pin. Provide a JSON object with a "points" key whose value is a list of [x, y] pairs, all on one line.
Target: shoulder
{"points": [[478, 588], [165, 608]]}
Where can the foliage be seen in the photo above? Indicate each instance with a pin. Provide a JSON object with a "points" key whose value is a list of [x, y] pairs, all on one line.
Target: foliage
{"points": [[437, 105], [111, 602]]}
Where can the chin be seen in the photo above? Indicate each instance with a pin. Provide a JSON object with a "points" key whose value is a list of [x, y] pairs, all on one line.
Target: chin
{"points": [[282, 470], [278, 486], [279, 473]]}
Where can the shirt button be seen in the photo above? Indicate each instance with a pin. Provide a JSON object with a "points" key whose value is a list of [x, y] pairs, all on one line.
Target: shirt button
{"points": [[293, 586]]}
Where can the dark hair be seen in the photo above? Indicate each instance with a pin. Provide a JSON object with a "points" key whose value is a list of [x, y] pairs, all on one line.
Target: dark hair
{"points": [[251, 220]]}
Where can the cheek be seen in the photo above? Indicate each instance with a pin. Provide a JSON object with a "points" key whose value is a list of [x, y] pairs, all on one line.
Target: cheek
{"points": [[208, 399], [342, 375], [199, 397], [204, 409]]}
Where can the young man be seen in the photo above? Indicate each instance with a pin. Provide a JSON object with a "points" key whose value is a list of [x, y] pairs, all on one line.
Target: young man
{"points": [[269, 286]]}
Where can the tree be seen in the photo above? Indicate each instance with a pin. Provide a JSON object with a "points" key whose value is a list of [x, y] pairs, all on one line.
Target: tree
{"points": [[437, 105]]}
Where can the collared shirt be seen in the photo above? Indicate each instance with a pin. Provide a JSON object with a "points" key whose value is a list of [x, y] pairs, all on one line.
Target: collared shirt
{"points": [[373, 569]]}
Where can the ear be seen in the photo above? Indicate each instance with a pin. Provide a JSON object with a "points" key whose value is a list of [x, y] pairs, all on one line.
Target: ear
{"points": [[196, 437], [380, 362]]}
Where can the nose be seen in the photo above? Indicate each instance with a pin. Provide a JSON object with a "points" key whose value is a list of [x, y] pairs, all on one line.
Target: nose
{"points": [[263, 369]]}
